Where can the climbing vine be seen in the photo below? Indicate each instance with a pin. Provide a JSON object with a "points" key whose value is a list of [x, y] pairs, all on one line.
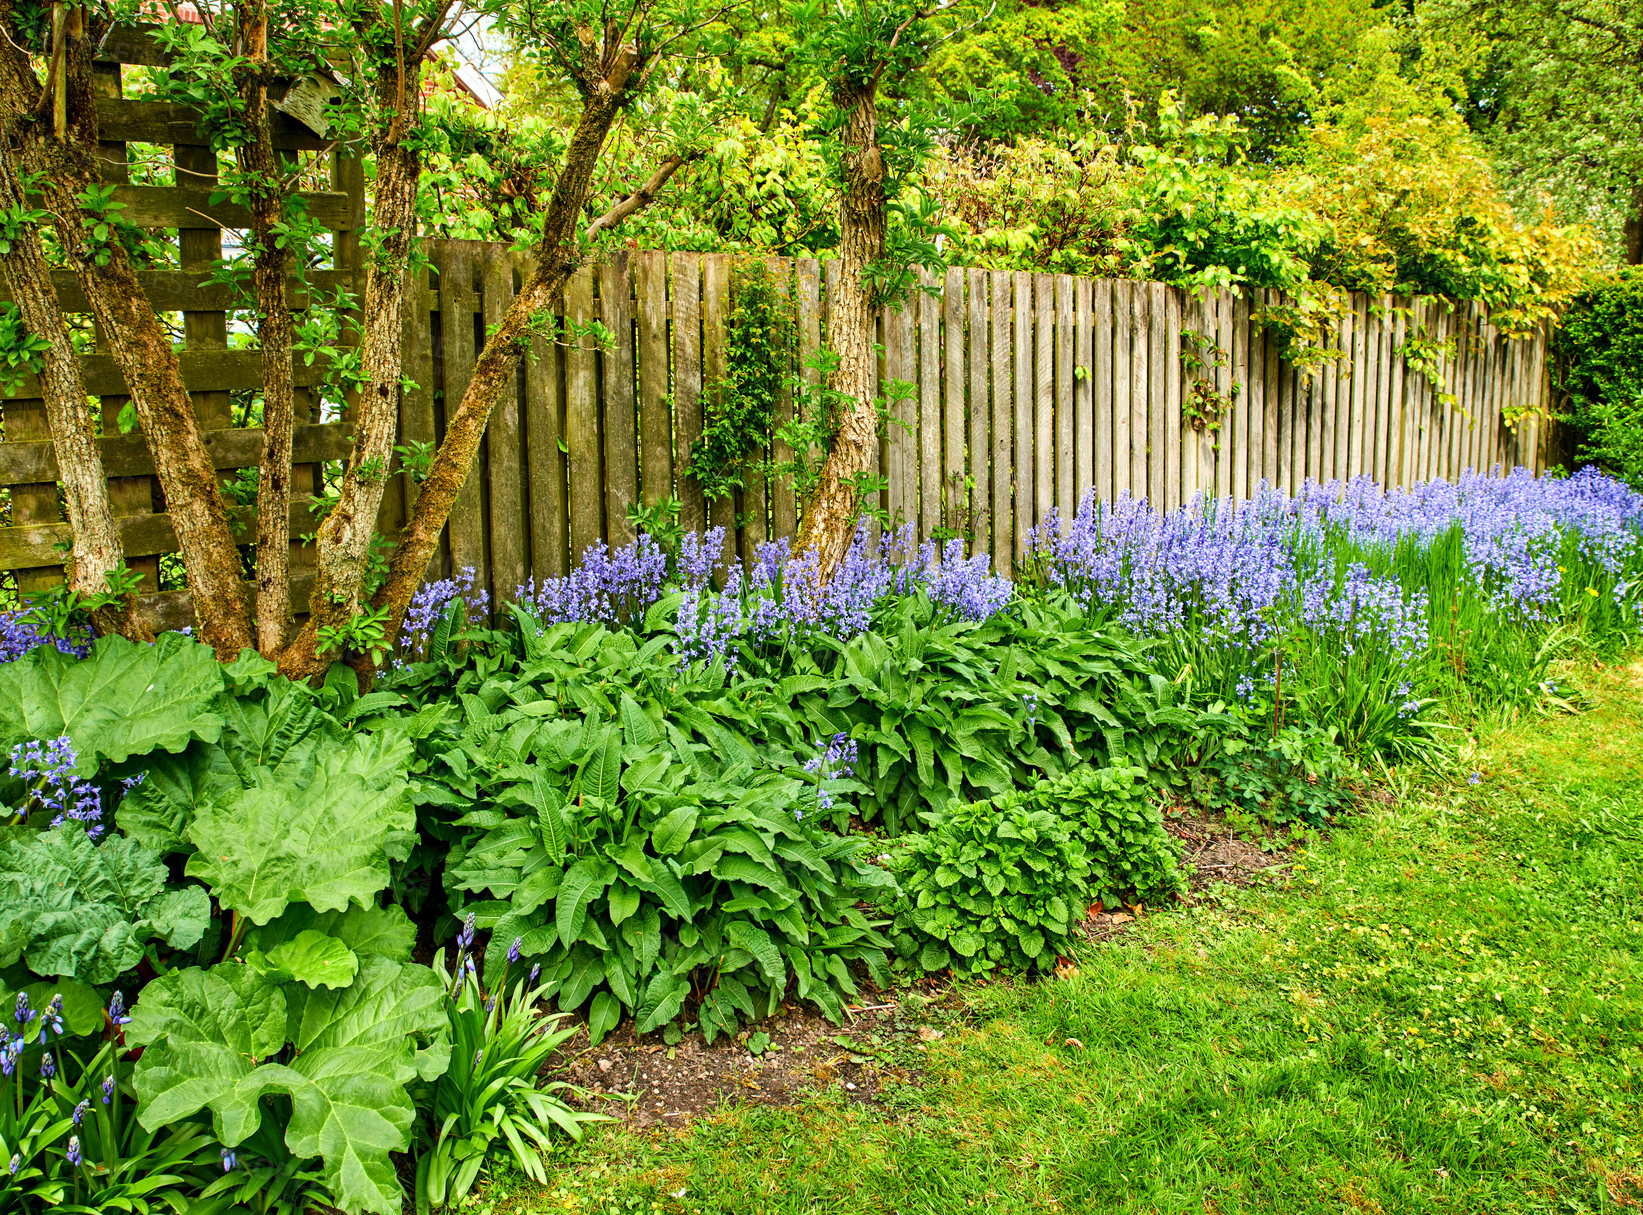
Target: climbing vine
{"points": [[760, 345]]}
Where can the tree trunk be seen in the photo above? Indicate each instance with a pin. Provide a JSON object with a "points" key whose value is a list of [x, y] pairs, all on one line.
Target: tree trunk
{"points": [[140, 345], [830, 515], [1633, 236], [556, 257], [344, 540], [271, 260], [97, 550]]}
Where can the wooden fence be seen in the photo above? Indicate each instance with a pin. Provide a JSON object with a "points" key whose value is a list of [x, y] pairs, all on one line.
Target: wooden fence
{"points": [[1030, 389]]}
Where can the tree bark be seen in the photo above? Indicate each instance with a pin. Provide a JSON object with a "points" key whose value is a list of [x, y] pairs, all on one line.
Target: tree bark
{"points": [[830, 516], [344, 540], [97, 550], [271, 259]]}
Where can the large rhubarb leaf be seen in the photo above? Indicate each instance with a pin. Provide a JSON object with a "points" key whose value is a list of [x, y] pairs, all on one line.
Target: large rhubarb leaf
{"points": [[124, 699], [205, 1032], [343, 1057], [326, 845], [72, 907], [369, 932], [279, 729]]}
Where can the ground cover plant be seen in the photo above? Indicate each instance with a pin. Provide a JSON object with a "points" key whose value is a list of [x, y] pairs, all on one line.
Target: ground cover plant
{"points": [[1437, 1010], [682, 795]]}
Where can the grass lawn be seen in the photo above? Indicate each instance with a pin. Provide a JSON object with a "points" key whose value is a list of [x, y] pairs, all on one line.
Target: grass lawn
{"points": [[1436, 1009]]}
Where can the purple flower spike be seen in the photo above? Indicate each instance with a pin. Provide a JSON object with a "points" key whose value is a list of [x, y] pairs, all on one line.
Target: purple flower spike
{"points": [[48, 1066], [513, 950], [108, 1090]]}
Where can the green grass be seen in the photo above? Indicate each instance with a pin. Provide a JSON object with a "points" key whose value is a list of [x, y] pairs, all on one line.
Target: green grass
{"points": [[1436, 1009]]}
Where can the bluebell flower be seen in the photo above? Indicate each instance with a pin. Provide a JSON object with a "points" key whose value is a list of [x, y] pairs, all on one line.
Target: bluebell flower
{"points": [[513, 950], [48, 1066], [117, 1010], [73, 1152], [80, 1111], [228, 1161], [536, 973], [16, 1163], [108, 1090]]}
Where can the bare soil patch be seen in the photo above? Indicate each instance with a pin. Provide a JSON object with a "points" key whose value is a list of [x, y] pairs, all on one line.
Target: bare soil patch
{"points": [[870, 1059], [874, 1058]]}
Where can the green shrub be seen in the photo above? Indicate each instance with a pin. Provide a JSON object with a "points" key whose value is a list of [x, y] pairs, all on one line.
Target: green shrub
{"points": [[1005, 882], [1600, 357], [1298, 776], [639, 866]]}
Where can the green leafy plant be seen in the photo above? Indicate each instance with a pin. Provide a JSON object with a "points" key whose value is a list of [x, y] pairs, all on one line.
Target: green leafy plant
{"points": [[21, 352], [337, 1061], [68, 1125], [1297, 775], [491, 1094], [639, 866], [1600, 373], [91, 911], [1004, 882], [760, 344], [125, 699]]}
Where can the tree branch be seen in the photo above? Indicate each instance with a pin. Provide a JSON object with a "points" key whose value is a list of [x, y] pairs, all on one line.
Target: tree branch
{"points": [[640, 198]]}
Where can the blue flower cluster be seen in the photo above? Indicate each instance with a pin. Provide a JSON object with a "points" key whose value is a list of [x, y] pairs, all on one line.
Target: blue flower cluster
{"points": [[20, 633], [52, 786], [428, 606], [1242, 572]]}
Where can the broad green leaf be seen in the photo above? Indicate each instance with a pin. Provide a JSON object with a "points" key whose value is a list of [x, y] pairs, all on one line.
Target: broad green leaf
{"points": [[636, 726], [603, 1017], [601, 776], [664, 997], [550, 814], [204, 1032], [325, 845], [124, 699], [157, 812], [368, 932], [77, 908], [674, 831], [316, 960], [584, 882], [758, 943]]}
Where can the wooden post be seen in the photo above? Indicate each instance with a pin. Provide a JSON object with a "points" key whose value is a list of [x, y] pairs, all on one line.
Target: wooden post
{"points": [[544, 431], [458, 308], [954, 406], [1003, 432], [505, 446], [686, 298], [928, 466], [1065, 499], [1043, 398], [1123, 328], [587, 482], [1084, 441], [655, 422], [981, 509]]}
